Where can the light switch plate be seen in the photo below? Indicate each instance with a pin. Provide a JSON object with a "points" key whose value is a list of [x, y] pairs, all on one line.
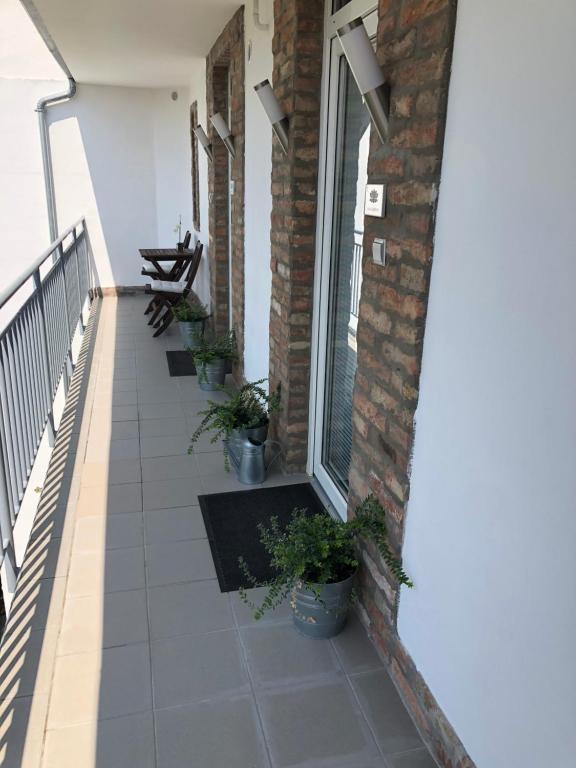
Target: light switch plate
{"points": [[379, 251]]}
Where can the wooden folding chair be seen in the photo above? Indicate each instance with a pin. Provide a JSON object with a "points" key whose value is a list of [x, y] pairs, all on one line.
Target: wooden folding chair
{"points": [[166, 294]]}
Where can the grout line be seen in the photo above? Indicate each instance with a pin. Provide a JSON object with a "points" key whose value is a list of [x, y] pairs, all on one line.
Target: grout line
{"points": [[251, 681]]}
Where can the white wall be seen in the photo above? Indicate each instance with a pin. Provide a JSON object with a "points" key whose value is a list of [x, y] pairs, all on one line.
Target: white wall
{"points": [[27, 73], [122, 157], [172, 162], [257, 196], [198, 93], [491, 523]]}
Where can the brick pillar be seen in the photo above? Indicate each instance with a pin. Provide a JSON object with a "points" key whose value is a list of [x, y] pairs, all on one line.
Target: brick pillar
{"points": [[226, 59], [297, 49]]}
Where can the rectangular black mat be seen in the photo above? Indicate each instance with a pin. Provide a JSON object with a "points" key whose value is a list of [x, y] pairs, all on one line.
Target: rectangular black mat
{"points": [[180, 363], [231, 521]]}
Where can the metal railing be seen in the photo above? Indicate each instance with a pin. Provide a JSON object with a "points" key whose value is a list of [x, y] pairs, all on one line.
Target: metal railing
{"points": [[35, 356]]}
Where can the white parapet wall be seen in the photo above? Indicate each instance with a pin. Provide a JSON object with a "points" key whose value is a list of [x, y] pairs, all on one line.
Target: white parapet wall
{"points": [[491, 522]]}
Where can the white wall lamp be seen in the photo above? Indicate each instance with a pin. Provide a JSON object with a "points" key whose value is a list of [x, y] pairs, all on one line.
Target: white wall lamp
{"points": [[224, 132], [274, 111], [200, 134], [367, 73]]}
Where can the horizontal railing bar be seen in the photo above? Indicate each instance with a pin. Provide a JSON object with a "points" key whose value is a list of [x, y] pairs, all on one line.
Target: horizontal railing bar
{"points": [[8, 292]]}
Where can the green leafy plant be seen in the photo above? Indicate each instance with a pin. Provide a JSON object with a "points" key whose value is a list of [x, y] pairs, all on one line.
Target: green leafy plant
{"points": [[247, 408], [221, 348], [186, 312], [317, 549]]}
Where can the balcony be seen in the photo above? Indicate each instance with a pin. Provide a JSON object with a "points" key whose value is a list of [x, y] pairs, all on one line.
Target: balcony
{"points": [[120, 649]]}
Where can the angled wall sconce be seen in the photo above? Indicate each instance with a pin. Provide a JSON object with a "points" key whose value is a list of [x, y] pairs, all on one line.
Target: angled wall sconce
{"points": [[367, 73], [224, 132], [200, 134], [274, 111]]}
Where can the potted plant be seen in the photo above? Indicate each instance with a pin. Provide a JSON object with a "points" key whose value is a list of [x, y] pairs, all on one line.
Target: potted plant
{"points": [[315, 559], [242, 418], [191, 319], [210, 359]]}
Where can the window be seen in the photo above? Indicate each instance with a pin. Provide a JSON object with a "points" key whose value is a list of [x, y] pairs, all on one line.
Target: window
{"points": [[195, 179]]}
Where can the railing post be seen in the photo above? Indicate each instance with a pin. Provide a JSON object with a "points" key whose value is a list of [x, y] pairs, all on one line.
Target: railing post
{"points": [[80, 302], [10, 567], [39, 291], [69, 367]]}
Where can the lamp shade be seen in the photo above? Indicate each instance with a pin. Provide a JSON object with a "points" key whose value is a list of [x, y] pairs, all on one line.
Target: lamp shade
{"points": [[360, 55], [201, 136], [220, 125], [269, 102]]}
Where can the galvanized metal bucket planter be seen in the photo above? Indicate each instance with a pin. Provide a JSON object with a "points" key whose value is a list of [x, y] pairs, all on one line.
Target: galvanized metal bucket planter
{"points": [[191, 333], [212, 375], [322, 613], [246, 449]]}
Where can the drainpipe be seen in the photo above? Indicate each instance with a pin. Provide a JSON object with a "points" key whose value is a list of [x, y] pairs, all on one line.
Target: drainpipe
{"points": [[42, 110]]}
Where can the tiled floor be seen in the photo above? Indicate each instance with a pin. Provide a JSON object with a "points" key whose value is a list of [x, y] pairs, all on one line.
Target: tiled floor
{"points": [[131, 655]]}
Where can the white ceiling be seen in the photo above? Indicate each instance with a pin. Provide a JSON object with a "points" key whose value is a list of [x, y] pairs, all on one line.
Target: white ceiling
{"points": [[147, 43]]}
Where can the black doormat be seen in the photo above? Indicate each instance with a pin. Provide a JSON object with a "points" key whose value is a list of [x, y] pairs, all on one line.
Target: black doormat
{"points": [[231, 521], [180, 363]]}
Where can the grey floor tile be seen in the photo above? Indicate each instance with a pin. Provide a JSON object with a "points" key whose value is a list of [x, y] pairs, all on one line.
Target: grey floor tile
{"points": [[188, 669], [166, 393], [164, 428], [383, 707], [211, 463], [191, 608], [245, 614], [128, 448], [126, 497], [217, 733], [93, 622], [354, 648], [165, 494], [125, 385], [124, 430], [125, 530], [124, 569], [124, 413], [179, 561], [315, 725], [421, 758], [124, 398], [169, 445], [125, 619], [277, 655], [116, 743], [175, 524], [169, 467], [169, 410], [124, 471], [223, 482], [125, 681]]}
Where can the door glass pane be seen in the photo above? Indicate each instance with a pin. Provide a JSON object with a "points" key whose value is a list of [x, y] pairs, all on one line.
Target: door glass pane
{"points": [[351, 163]]}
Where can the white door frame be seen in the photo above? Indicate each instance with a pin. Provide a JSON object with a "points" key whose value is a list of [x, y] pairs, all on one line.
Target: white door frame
{"points": [[368, 9]]}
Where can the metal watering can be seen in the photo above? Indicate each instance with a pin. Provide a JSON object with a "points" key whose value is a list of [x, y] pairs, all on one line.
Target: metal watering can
{"points": [[253, 466]]}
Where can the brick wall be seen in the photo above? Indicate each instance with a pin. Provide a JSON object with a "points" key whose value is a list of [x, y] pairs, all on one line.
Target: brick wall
{"points": [[414, 45], [226, 59], [297, 48]]}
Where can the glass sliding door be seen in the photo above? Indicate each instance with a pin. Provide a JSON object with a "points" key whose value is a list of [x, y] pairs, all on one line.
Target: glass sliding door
{"points": [[347, 142], [352, 144]]}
